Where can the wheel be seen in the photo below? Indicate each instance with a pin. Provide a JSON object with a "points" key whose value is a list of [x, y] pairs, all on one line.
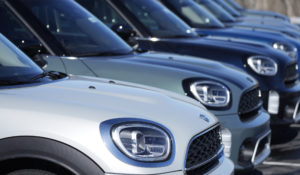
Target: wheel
{"points": [[30, 172]]}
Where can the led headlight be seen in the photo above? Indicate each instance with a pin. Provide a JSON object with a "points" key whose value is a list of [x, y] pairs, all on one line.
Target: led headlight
{"points": [[263, 65], [142, 142], [211, 93], [291, 51]]}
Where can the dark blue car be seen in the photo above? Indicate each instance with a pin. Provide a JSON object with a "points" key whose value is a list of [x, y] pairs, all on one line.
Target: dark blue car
{"points": [[260, 13], [205, 24], [159, 29], [231, 21]]}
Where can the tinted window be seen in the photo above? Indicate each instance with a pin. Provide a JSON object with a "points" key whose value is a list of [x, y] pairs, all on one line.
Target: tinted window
{"points": [[17, 32], [79, 32], [193, 14], [216, 10], [228, 8], [160, 21], [103, 11]]}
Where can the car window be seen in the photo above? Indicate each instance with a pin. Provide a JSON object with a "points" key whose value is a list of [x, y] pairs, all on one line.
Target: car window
{"points": [[193, 14], [103, 11], [159, 20], [216, 10], [79, 32], [17, 32], [14, 64]]}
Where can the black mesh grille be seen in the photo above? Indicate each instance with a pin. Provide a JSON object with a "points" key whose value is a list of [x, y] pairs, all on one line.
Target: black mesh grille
{"points": [[250, 102], [291, 74], [204, 148]]}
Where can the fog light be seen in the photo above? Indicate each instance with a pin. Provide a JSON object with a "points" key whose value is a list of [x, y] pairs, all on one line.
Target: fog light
{"points": [[226, 139], [273, 102]]}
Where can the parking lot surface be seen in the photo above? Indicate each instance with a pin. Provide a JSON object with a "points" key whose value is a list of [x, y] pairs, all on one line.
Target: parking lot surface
{"points": [[284, 159]]}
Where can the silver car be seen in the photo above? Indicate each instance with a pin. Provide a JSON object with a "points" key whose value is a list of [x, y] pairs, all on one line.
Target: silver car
{"points": [[55, 124]]}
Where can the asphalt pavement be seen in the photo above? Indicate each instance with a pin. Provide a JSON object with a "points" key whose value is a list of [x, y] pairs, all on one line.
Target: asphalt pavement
{"points": [[284, 159]]}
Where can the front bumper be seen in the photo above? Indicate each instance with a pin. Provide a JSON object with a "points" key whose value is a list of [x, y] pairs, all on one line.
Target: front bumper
{"points": [[252, 134], [225, 168], [288, 108]]}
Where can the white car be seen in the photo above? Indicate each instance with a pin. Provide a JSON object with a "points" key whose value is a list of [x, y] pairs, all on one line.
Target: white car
{"points": [[54, 124]]}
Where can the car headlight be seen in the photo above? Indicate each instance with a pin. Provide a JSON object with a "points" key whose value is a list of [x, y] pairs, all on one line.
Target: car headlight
{"points": [[210, 93], [291, 51], [142, 141], [263, 65]]}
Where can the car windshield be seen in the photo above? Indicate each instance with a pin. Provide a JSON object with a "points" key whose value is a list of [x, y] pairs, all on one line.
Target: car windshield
{"points": [[234, 4], [228, 8], [159, 20], [78, 31], [15, 66], [193, 14], [216, 10]]}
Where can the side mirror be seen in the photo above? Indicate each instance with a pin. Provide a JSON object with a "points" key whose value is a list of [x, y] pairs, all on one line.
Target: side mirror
{"points": [[40, 61], [126, 33]]}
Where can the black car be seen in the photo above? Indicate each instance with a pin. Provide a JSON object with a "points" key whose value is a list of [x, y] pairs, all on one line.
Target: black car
{"points": [[159, 29]]}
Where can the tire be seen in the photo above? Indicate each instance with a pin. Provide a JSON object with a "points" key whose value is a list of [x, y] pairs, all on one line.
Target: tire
{"points": [[31, 172]]}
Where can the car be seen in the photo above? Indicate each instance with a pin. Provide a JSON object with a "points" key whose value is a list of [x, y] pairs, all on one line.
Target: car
{"points": [[52, 123], [231, 21], [260, 13], [205, 24], [88, 47], [256, 19], [158, 29]]}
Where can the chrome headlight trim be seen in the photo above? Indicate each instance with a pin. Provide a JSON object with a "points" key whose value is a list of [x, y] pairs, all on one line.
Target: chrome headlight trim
{"points": [[136, 136], [107, 129], [207, 98], [288, 49], [263, 65]]}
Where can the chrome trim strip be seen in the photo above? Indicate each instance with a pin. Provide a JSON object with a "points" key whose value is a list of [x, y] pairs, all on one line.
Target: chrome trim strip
{"points": [[258, 159], [296, 117], [191, 141]]}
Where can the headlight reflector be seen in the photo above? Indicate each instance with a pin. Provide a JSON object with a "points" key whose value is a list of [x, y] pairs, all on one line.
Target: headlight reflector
{"points": [[291, 51], [142, 142], [210, 93], [263, 65]]}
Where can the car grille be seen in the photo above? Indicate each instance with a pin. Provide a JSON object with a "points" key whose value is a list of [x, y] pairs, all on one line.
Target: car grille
{"points": [[249, 104], [291, 74], [203, 150]]}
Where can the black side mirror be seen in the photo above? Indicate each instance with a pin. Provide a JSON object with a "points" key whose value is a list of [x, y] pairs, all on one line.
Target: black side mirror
{"points": [[126, 33], [40, 61]]}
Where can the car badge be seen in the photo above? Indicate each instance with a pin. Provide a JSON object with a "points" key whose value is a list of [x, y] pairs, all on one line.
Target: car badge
{"points": [[203, 117]]}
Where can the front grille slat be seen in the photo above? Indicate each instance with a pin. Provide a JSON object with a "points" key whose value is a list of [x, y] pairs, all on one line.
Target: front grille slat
{"points": [[250, 103], [204, 148]]}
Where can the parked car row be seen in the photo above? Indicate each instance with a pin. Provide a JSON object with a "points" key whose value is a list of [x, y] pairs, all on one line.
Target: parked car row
{"points": [[143, 87]]}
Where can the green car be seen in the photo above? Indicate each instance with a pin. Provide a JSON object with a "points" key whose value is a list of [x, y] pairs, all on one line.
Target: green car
{"points": [[73, 41]]}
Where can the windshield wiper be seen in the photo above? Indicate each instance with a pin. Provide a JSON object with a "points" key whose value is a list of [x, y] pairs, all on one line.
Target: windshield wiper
{"points": [[53, 74], [39, 76], [11, 82]]}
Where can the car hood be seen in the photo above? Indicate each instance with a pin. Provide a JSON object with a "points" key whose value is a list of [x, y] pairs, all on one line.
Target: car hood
{"points": [[267, 36], [71, 112], [224, 50], [189, 67], [284, 30], [172, 72]]}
